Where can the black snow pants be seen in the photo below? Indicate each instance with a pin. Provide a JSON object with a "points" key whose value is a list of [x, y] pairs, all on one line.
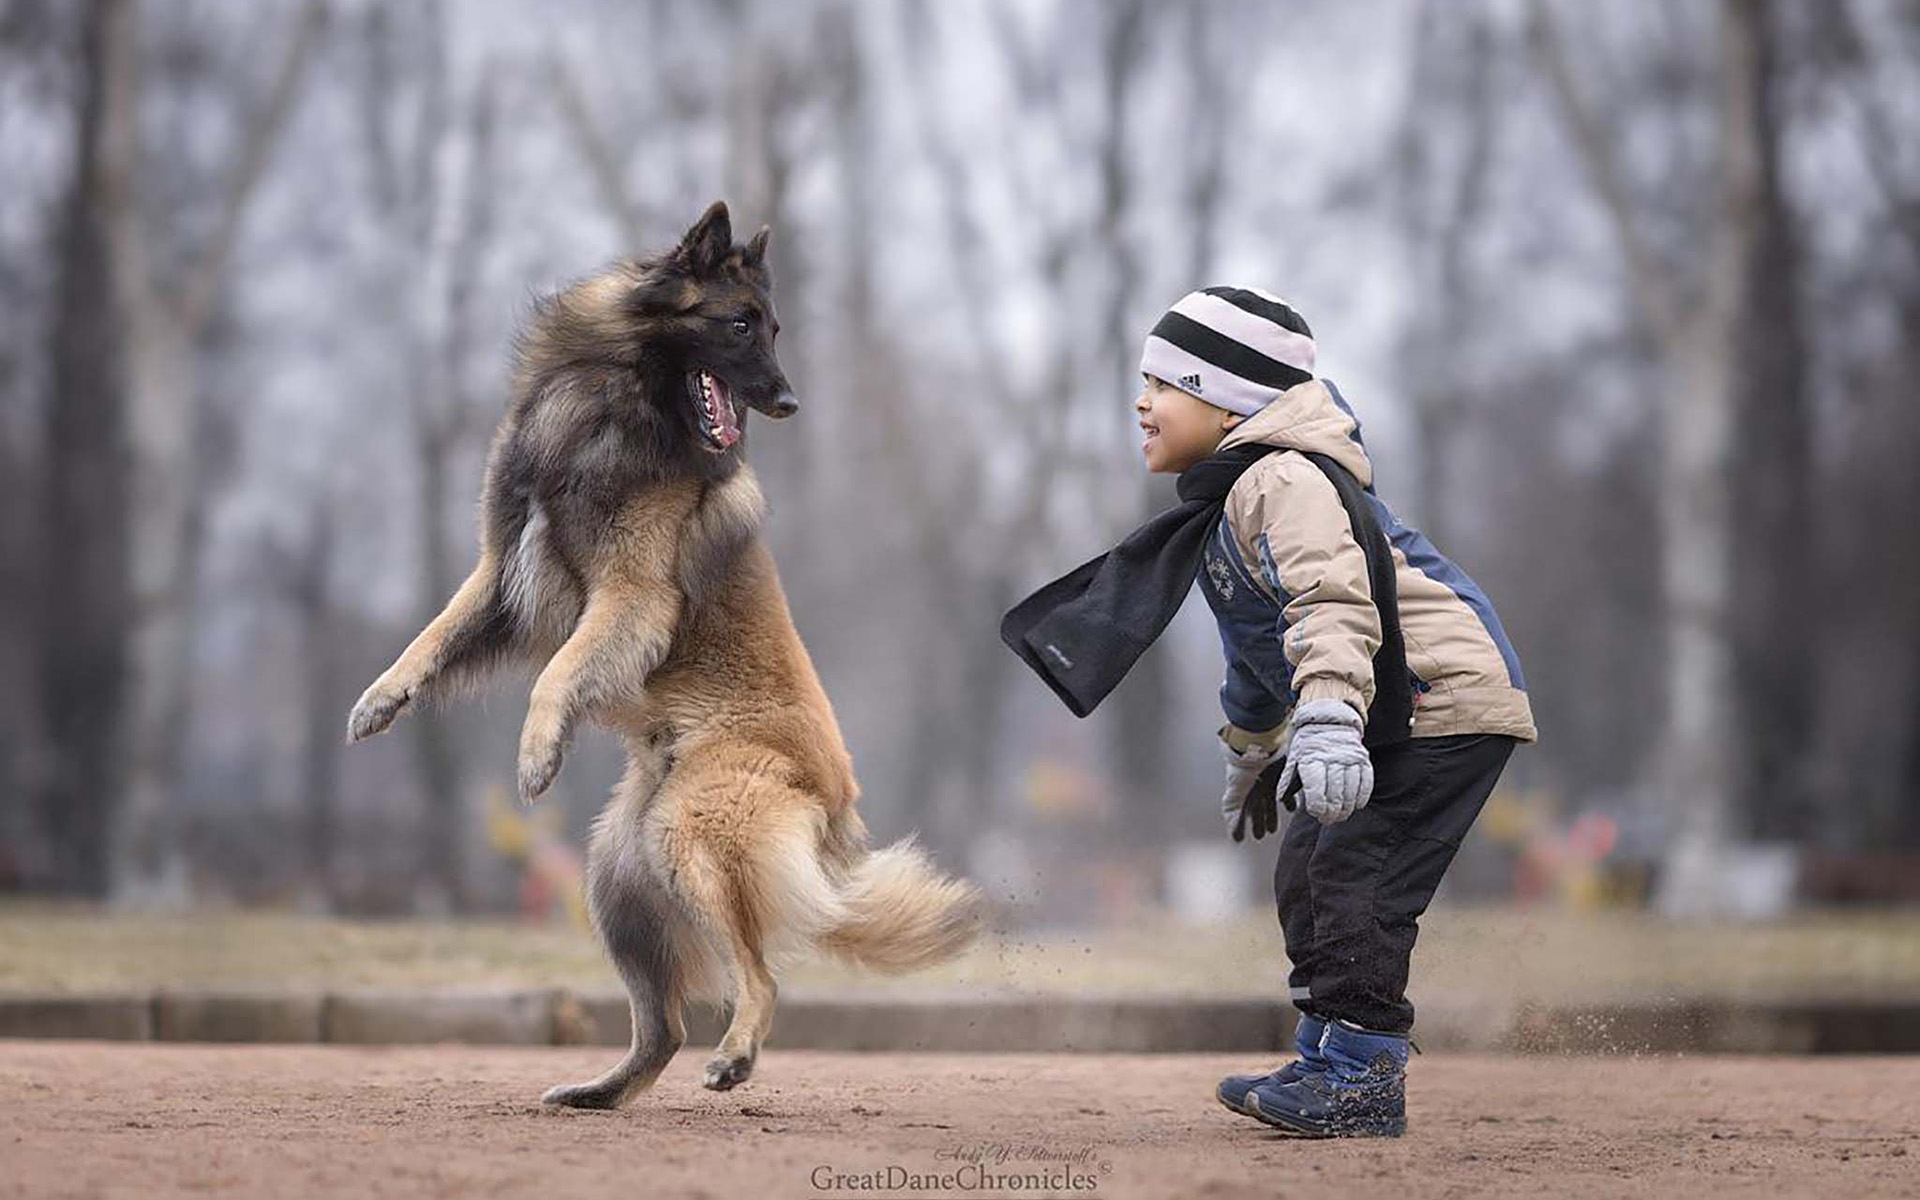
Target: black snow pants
{"points": [[1350, 894]]}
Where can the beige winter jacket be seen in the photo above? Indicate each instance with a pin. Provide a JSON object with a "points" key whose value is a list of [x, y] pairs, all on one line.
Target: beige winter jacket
{"points": [[1284, 572]]}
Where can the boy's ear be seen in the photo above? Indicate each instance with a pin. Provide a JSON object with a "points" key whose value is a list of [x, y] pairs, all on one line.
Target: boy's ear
{"points": [[1232, 420]]}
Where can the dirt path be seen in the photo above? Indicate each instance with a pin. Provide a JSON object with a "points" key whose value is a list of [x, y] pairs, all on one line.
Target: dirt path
{"points": [[116, 1120]]}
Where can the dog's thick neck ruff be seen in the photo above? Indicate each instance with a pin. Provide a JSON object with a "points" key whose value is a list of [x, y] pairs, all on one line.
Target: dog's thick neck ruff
{"points": [[723, 523], [683, 419]]}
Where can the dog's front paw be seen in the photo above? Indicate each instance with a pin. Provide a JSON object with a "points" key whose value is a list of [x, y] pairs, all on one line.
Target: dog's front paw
{"points": [[376, 710], [542, 743]]}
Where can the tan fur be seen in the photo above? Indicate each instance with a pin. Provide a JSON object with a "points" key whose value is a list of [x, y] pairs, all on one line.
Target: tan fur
{"points": [[732, 841]]}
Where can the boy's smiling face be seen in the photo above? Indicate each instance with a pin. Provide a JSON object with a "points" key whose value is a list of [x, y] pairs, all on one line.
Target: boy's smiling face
{"points": [[1181, 429]]}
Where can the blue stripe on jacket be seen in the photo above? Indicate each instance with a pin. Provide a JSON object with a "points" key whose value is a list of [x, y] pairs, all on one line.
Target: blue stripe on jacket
{"points": [[1340, 402], [1424, 557], [1257, 690]]}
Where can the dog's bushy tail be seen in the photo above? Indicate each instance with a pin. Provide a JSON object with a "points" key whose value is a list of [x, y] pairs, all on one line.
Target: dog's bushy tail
{"points": [[901, 913]]}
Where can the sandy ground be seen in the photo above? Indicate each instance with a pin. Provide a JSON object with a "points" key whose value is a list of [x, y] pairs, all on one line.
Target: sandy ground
{"points": [[93, 1119]]}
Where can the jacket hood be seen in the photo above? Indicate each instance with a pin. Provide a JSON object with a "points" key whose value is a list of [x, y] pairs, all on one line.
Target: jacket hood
{"points": [[1308, 416]]}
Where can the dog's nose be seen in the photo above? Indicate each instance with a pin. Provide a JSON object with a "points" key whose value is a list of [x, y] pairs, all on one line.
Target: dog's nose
{"points": [[784, 405]]}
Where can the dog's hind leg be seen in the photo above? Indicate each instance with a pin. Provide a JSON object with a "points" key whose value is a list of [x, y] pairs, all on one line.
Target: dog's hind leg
{"points": [[757, 894], [754, 994], [634, 915]]}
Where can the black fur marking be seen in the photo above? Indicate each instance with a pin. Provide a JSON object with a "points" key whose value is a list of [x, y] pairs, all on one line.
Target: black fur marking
{"points": [[635, 916]]}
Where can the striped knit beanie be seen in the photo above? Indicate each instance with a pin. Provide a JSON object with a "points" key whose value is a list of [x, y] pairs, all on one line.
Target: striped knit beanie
{"points": [[1235, 348]]}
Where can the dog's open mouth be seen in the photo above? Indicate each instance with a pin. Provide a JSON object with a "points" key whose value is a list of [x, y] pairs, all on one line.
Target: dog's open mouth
{"points": [[713, 402]]}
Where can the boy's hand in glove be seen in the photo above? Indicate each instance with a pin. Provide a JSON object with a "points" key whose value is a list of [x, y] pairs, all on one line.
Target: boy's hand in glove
{"points": [[1248, 756], [1334, 769]]}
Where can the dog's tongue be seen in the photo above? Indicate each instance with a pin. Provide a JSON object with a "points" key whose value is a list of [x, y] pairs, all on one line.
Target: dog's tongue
{"points": [[726, 425]]}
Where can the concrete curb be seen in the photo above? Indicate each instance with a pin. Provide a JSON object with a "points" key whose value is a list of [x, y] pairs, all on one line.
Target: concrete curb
{"points": [[974, 1024], [403, 1018], [236, 1017], [116, 1018], [1726, 1027], [960, 1022]]}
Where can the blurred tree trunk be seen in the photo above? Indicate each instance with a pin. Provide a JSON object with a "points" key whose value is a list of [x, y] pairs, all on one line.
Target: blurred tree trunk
{"points": [[433, 271], [309, 587], [1883, 134], [952, 749], [1214, 92], [1440, 208], [437, 764], [171, 417], [1142, 721], [23, 844], [1700, 345], [1860, 802], [1774, 642], [1904, 828], [407, 196], [86, 584]]}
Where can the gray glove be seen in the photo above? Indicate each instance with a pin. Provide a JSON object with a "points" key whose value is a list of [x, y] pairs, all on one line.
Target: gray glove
{"points": [[1247, 755], [1336, 774]]}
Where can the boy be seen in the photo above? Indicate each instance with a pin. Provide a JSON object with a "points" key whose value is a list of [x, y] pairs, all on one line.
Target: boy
{"points": [[1394, 742]]}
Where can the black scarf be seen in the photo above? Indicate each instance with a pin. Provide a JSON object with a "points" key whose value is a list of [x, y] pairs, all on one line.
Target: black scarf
{"points": [[1084, 631]]}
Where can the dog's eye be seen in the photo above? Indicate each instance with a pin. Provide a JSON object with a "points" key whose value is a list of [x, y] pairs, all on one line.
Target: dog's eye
{"points": [[742, 326]]}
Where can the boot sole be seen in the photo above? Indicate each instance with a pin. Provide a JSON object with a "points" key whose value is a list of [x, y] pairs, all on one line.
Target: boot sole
{"points": [[1318, 1132], [1231, 1107]]}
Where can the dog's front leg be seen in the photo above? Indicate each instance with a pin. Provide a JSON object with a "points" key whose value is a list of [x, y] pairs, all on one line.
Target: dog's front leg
{"points": [[469, 629], [622, 635]]}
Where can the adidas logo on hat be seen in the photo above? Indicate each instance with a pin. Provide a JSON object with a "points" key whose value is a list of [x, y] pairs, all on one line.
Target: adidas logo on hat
{"points": [[1190, 383]]}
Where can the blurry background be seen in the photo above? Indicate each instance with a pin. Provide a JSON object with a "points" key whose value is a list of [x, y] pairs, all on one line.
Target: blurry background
{"points": [[1627, 295]]}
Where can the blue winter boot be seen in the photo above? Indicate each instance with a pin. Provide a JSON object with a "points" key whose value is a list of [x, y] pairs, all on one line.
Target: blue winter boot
{"points": [[1362, 1092], [1307, 1032]]}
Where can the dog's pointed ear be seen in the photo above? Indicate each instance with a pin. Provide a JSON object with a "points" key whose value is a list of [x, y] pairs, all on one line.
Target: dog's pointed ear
{"points": [[757, 248], [707, 243]]}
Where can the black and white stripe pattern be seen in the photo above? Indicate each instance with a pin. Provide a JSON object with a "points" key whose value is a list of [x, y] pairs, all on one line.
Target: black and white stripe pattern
{"points": [[1235, 348]]}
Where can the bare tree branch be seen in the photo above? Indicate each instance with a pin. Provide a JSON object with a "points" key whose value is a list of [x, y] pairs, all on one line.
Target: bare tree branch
{"points": [[1215, 92], [256, 147], [1876, 128], [591, 140], [462, 417], [1475, 173], [431, 119], [1652, 284], [377, 58], [965, 240]]}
